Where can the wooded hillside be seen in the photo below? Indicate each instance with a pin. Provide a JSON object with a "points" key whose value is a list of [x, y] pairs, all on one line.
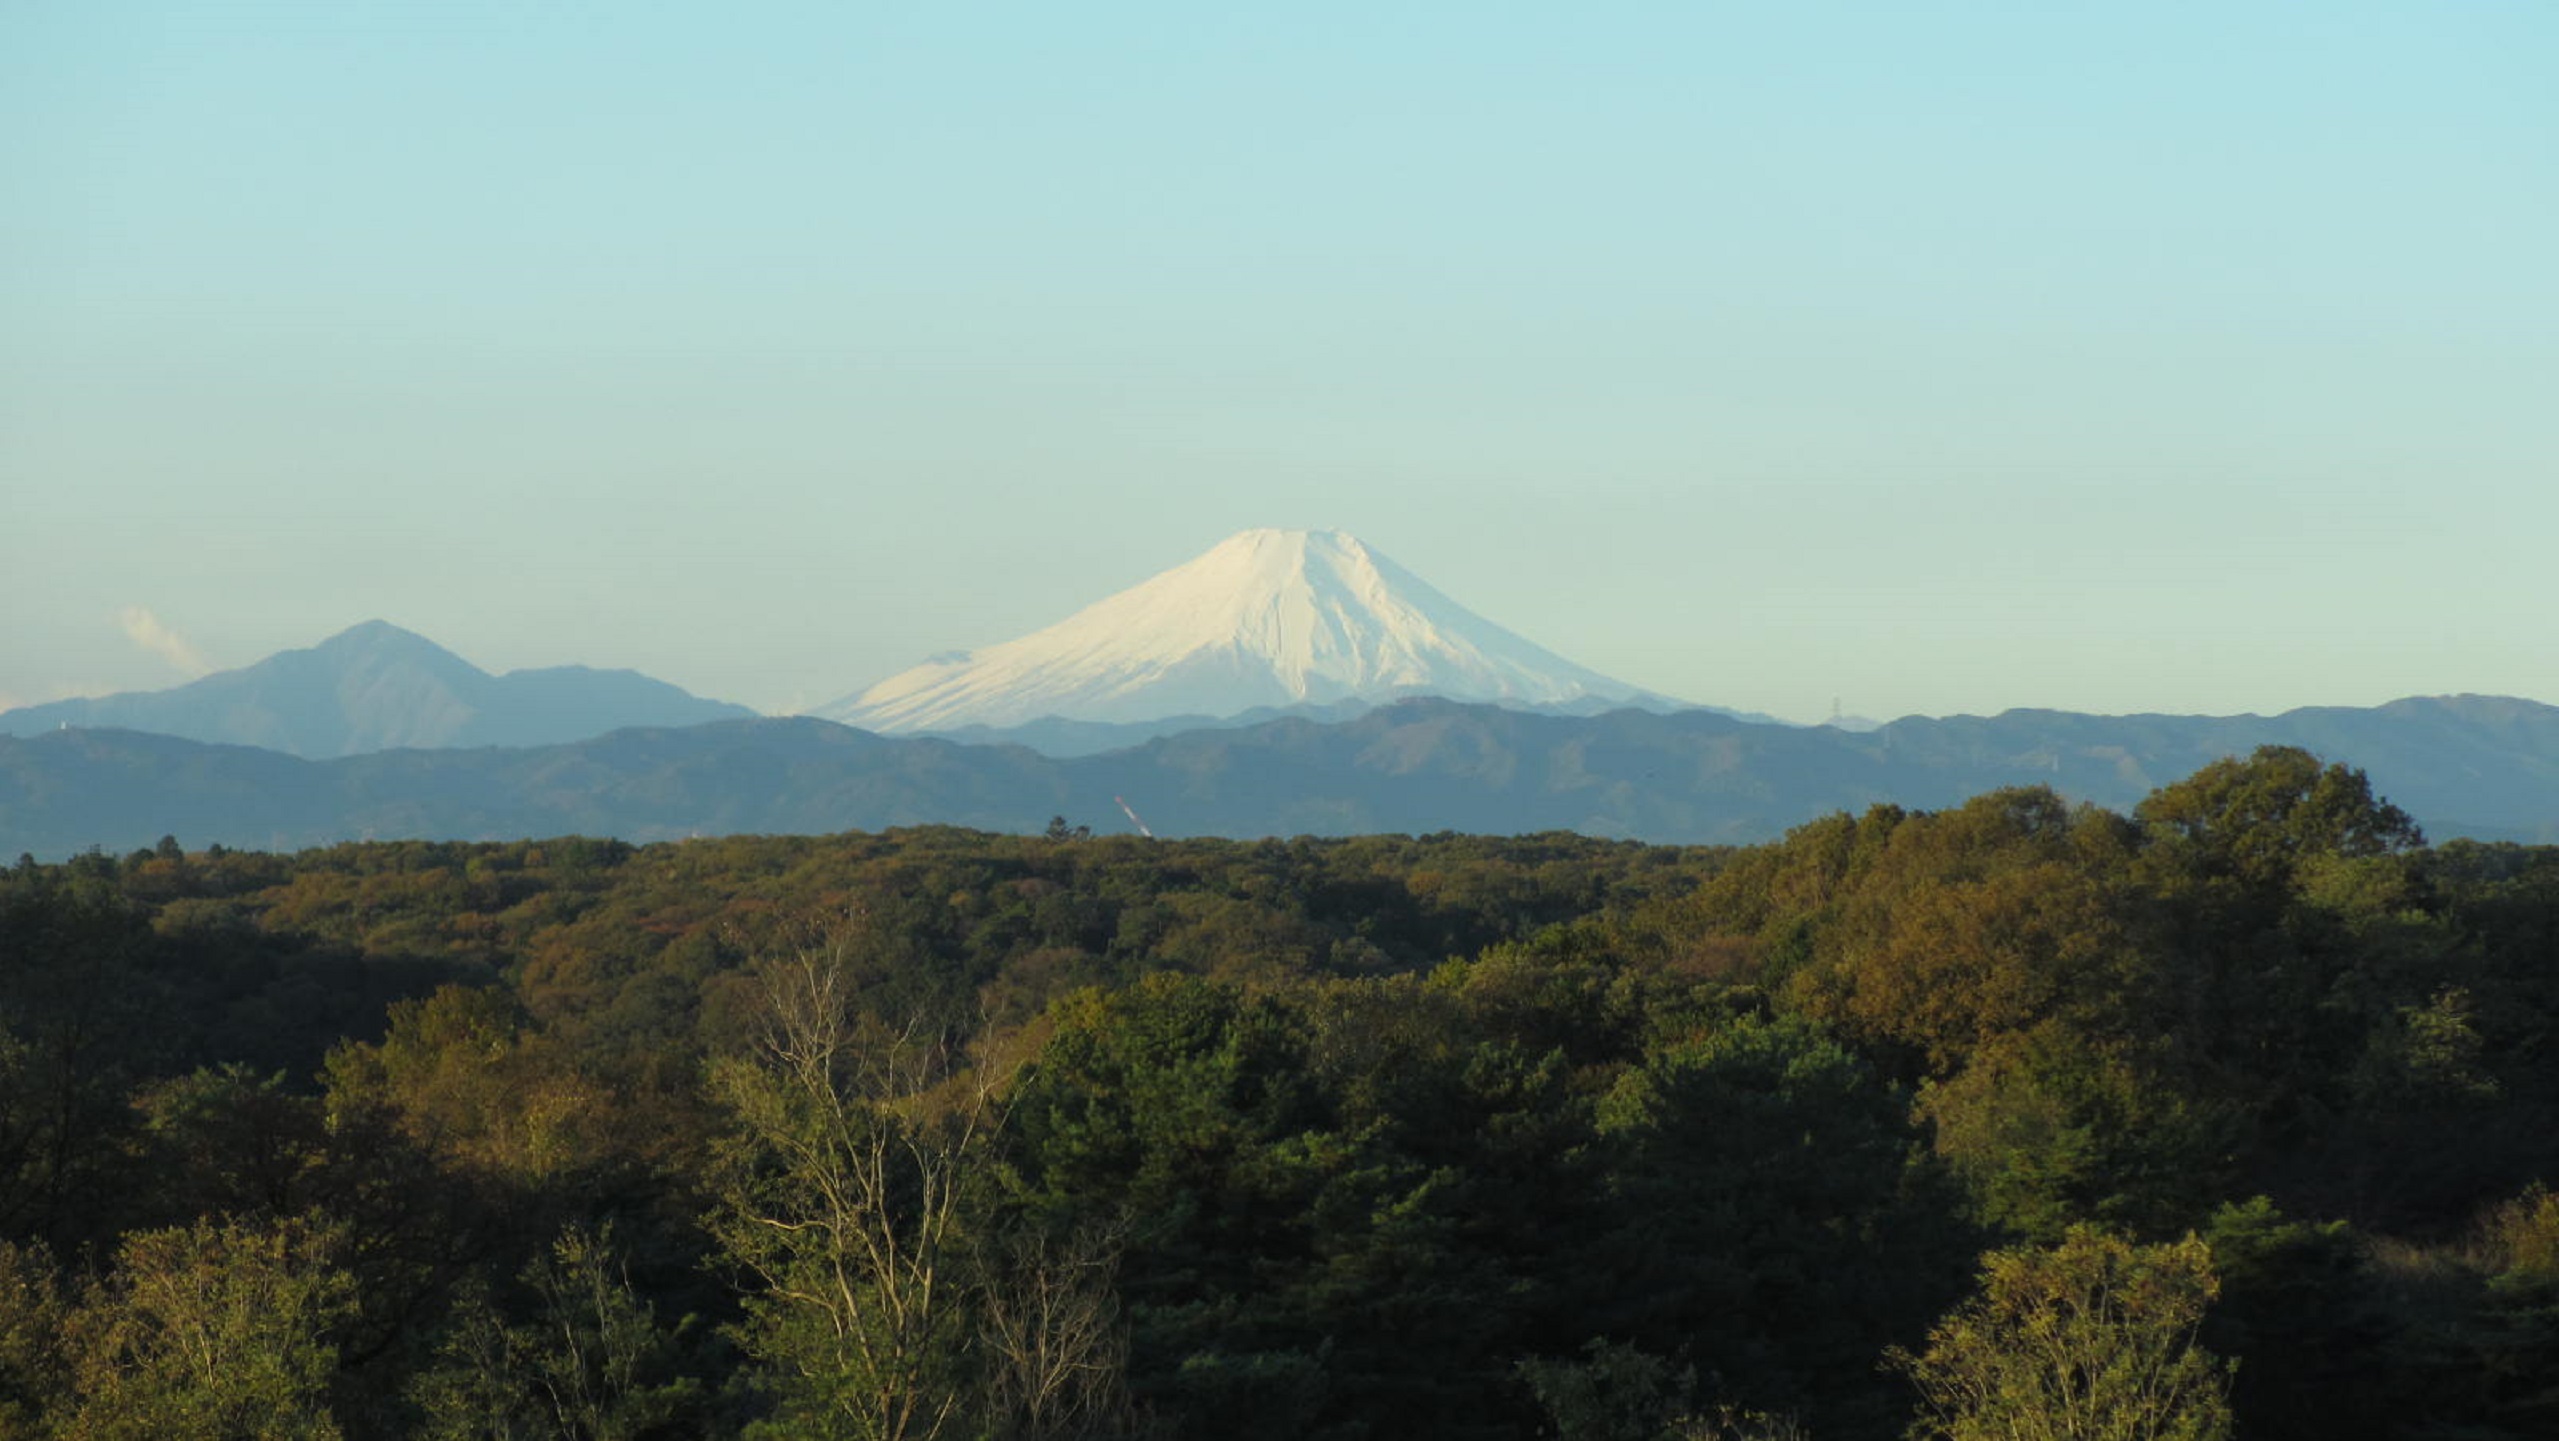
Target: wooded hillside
{"points": [[943, 1133]]}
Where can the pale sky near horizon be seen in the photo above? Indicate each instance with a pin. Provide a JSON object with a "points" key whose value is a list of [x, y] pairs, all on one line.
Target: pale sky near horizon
{"points": [[1923, 357]]}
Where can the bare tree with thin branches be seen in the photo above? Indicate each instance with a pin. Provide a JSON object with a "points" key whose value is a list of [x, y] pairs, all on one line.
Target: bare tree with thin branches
{"points": [[1049, 1328], [844, 1201]]}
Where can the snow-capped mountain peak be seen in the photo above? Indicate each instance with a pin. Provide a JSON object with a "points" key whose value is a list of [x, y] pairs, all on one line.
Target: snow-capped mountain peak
{"points": [[1264, 618]]}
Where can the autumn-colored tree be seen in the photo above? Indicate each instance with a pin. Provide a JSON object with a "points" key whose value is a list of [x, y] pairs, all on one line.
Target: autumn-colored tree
{"points": [[463, 1074], [216, 1330], [2089, 1340], [1977, 922]]}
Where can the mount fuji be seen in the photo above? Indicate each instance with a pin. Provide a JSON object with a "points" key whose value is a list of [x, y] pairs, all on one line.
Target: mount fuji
{"points": [[1267, 620]]}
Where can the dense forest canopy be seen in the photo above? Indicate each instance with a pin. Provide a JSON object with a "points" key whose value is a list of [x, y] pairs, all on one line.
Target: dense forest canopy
{"points": [[2243, 1101]]}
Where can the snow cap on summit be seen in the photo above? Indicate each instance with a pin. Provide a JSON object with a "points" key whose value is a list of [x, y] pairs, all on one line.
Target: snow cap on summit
{"points": [[1263, 618]]}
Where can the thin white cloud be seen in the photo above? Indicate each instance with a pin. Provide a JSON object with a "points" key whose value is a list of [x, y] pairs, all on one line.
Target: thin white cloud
{"points": [[146, 630]]}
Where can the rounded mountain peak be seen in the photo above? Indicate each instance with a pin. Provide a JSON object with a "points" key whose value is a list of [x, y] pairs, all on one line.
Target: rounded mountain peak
{"points": [[370, 634]]}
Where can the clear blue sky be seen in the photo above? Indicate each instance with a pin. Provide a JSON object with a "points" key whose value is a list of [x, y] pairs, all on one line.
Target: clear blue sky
{"points": [[1936, 358]]}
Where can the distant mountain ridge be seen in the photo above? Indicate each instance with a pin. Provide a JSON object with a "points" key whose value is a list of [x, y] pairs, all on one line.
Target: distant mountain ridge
{"points": [[2477, 766], [1051, 736], [377, 687], [1266, 619]]}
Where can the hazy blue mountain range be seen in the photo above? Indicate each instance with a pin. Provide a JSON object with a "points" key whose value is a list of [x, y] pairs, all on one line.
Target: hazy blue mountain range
{"points": [[1057, 736], [377, 687], [2484, 767]]}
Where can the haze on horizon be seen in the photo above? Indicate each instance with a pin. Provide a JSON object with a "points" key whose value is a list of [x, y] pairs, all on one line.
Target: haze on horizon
{"points": [[1930, 358]]}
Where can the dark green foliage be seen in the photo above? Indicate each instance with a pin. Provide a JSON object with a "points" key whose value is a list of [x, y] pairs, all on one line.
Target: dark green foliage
{"points": [[2300, 1313], [1769, 1218], [2259, 819], [1617, 1393], [77, 1027], [1345, 1207], [588, 1362], [2047, 1128]]}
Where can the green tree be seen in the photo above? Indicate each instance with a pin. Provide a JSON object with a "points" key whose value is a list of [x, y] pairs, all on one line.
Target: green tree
{"points": [[2089, 1340], [1186, 1107], [2048, 1129], [215, 1330], [2258, 819], [1764, 1218], [590, 1364], [78, 1021], [1342, 1207], [2300, 1317], [35, 1371], [1617, 1393], [1622, 1394]]}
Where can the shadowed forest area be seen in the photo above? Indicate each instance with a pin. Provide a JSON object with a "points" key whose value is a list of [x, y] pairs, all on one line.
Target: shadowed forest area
{"points": [[2230, 1116]]}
